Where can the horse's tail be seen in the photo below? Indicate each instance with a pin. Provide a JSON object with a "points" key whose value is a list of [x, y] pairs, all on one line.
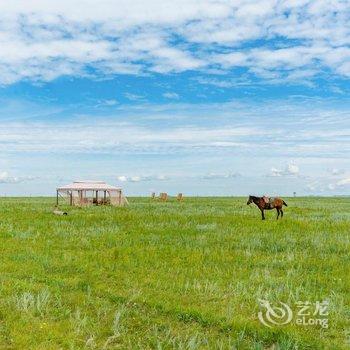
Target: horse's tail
{"points": [[284, 203]]}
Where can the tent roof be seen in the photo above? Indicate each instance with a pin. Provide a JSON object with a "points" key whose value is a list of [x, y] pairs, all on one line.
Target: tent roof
{"points": [[89, 186]]}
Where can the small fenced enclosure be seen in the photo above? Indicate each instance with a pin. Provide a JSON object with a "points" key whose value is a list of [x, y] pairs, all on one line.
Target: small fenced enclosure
{"points": [[84, 193]]}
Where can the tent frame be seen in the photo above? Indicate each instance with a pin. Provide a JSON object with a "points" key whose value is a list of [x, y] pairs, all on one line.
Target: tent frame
{"points": [[91, 193]]}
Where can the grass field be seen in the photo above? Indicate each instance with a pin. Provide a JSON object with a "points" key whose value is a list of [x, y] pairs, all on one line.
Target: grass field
{"points": [[171, 275]]}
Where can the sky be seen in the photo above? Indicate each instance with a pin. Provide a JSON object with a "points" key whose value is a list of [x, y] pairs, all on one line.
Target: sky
{"points": [[210, 97]]}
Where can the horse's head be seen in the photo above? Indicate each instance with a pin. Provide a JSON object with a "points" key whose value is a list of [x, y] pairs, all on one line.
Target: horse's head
{"points": [[250, 200]]}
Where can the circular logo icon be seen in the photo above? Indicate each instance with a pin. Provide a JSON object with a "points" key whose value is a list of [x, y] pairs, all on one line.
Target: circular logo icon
{"points": [[274, 315]]}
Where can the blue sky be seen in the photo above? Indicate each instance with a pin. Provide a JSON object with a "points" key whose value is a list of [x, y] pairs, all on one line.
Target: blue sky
{"points": [[206, 98]]}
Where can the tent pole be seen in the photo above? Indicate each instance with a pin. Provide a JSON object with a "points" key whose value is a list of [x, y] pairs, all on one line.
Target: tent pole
{"points": [[57, 198]]}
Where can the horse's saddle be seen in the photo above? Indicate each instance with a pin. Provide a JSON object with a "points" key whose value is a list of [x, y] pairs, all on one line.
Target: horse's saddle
{"points": [[269, 202]]}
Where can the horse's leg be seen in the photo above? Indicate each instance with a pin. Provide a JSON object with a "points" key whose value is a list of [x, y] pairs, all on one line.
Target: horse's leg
{"points": [[278, 213], [281, 213], [262, 214]]}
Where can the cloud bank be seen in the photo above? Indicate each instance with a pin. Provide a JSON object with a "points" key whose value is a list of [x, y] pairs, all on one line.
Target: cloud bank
{"points": [[293, 40], [141, 178], [6, 178], [307, 131]]}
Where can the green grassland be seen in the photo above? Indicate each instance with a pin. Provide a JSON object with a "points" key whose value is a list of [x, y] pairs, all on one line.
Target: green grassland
{"points": [[171, 275]]}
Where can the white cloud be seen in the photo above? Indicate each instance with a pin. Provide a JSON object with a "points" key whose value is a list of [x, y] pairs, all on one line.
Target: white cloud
{"points": [[133, 97], [5, 177], [135, 178], [211, 176], [336, 171], [290, 170], [343, 182], [339, 184], [110, 102], [315, 186], [171, 95], [122, 178], [43, 40], [331, 187], [224, 83], [276, 172], [140, 178]]}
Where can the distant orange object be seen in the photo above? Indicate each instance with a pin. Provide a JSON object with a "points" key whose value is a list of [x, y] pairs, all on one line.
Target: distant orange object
{"points": [[163, 196]]}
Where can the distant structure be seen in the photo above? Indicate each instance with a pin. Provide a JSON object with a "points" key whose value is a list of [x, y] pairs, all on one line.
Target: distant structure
{"points": [[294, 194], [163, 196], [83, 193]]}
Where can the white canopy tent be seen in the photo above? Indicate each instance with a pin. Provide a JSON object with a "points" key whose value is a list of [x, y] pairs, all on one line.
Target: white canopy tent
{"points": [[91, 193]]}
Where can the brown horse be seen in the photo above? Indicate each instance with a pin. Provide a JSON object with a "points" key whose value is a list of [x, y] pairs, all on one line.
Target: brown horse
{"points": [[264, 203]]}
